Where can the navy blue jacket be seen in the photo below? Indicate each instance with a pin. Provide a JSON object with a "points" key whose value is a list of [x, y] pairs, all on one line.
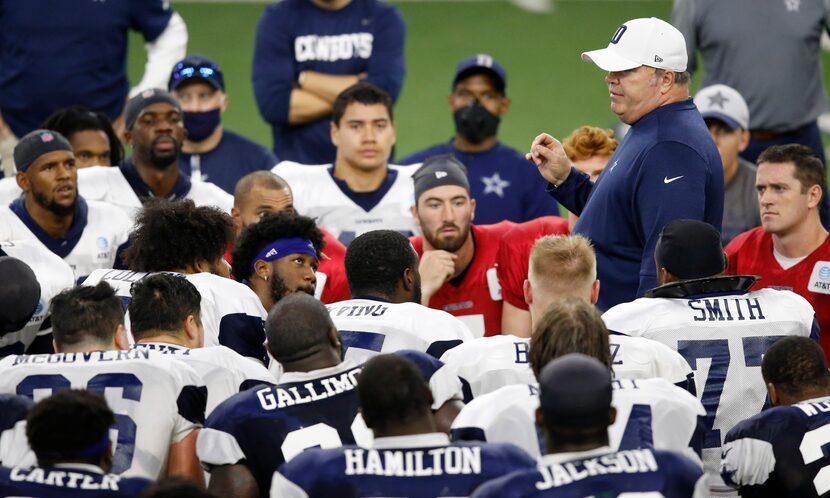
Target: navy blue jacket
{"points": [[233, 158], [666, 168]]}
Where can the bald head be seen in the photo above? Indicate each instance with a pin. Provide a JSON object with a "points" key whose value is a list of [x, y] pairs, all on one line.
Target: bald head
{"points": [[258, 193], [297, 327]]}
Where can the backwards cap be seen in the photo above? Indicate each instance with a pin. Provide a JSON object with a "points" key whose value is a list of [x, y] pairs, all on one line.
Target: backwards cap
{"points": [[36, 143], [438, 171], [690, 249], [575, 391], [145, 99]]}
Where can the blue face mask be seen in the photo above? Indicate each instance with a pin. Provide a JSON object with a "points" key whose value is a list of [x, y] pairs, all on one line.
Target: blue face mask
{"points": [[200, 125]]}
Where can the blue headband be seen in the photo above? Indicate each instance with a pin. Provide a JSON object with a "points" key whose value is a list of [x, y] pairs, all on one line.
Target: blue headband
{"points": [[281, 248]]}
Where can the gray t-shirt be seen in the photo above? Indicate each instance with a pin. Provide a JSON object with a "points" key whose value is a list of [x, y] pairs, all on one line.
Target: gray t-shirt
{"points": [[768, 50], [740, 202]]}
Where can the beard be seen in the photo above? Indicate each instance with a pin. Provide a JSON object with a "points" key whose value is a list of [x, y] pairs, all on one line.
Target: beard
{"points": [[163, 160], [279, 290], [449, 244], [52, 206]]}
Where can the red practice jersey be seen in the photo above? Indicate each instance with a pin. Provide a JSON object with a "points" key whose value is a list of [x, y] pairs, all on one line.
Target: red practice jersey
{"points": [[331, 272], [475, 295], [514, 254], [750, 253]]}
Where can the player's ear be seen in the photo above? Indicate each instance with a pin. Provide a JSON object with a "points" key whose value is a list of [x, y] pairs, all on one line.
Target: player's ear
{"points": [[527, 290], [106, 460], [744, 141], [773, 394], [128, 137], [262, 269], [334, 134], [595, 292], [612, 416], [472, 210], [191, 329], [120, 338], [334, 338], [22, 180], [814, 196], [413, 209], [236, 216], [540, 419], [223, 102], [55, 346], [408, 279]]}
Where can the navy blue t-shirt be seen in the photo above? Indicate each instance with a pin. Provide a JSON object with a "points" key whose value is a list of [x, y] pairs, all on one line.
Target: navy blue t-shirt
{"points": [[69, 52], [424, 471], [295, 36], [780, 451], [646, 471], [666, 168], [68, 482], [505, 185], [233, 158]]}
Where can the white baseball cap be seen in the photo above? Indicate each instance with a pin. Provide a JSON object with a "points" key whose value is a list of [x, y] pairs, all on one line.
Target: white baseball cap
{"points": [[642, 42], [723, 103]]}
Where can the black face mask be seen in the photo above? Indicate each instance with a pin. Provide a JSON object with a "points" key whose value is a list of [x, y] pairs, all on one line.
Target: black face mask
{"points": [[475, 123]]}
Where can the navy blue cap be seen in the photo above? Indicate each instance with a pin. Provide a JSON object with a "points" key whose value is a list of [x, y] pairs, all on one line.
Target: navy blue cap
{"points": [[478, 63], [36, 143], [196, 66], [144, 99], [440, 170], [690, 249], [575, 391], [19, 294]]}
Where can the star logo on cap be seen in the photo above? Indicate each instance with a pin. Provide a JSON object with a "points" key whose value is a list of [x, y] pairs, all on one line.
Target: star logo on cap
{"points": [[718, 100], [792, 5], [494, 184], [148, 93], [440, 174], [46, 137]]}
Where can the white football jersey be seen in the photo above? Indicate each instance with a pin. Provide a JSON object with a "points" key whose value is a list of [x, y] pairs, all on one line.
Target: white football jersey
{"points": [[105, 183], [224, 371], [650, 413], [488, 363], [232, 315], [158, 401], [53, 275], [318, 196], [724, 338], [9, 190], [101, 233], [368, 327]]}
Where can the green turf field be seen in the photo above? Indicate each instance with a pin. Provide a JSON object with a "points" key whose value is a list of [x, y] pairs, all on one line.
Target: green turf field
{"points": [[551, 88]]}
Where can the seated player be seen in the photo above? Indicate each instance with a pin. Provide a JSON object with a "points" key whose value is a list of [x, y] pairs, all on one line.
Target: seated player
{"points": [[263, 192], [160, 402], [31, 276], [575, 413], [778, 452], [93, 141], [13, 411], [512, 267], [651, 413], [278, 256], [386, 314], [791, 248], [560, 266], [395, 403], [86, 233], [361, 191], [315, 403], [70, 435], [183, 238], [721, 327], [457, 258], [154, 130], [165, 317]]}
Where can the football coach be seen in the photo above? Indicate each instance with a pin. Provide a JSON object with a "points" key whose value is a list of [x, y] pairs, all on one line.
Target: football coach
{"points": [[666, 168]]}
